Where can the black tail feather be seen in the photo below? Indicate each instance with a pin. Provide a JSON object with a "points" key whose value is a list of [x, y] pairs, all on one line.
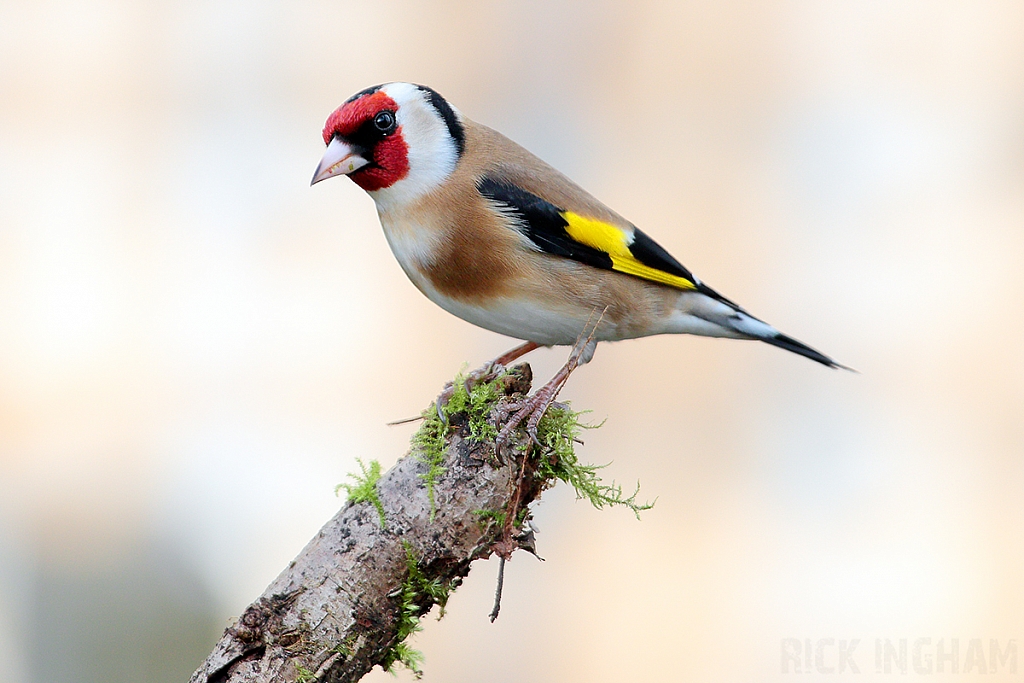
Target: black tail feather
{"points": [[790, 344]]}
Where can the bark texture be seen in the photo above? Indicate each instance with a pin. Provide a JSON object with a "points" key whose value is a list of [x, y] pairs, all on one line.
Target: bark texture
{"points": [[334, 612]]}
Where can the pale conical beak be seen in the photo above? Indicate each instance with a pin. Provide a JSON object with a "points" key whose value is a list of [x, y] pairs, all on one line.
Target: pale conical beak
{"points": [[341, 158]]}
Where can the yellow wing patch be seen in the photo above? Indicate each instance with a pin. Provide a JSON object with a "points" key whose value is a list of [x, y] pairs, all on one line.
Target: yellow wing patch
{"points": [[615, 242]]}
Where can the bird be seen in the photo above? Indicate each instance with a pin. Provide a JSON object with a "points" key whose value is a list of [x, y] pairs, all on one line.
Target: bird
{"points": [[496, 236]]}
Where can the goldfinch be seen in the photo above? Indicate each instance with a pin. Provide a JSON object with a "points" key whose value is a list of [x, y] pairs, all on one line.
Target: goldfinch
{"points": [[494, 235]]}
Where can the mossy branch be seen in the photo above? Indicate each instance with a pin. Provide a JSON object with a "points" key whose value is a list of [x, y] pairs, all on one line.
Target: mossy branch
{"points": [[558, 432], [364, 488], [355, 595]]}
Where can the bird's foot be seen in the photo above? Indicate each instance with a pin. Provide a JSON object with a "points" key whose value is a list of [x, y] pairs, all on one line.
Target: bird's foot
{"points": [[532, 409], [485, 373]]}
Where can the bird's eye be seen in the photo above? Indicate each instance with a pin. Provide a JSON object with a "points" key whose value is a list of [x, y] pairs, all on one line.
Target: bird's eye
{"points": [[384, 121]]}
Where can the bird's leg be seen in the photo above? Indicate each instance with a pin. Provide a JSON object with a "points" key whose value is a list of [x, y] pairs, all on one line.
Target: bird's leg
{"points": [[485, 372], [492, 369], [533, 408], [511, 355]]}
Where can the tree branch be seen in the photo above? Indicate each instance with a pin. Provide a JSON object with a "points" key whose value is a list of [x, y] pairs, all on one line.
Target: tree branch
{"points": [[352, 596]]}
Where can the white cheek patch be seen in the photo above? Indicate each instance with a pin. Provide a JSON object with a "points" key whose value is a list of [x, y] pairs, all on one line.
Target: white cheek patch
{"points": [[432, 151]]}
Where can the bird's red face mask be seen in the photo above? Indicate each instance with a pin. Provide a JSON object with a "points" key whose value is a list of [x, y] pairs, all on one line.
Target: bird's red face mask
{"points": [[364, 142]]}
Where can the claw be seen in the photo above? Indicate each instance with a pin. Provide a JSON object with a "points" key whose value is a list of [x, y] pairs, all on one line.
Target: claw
{"points": [[485, 373], [533, 408], [442, 400]]}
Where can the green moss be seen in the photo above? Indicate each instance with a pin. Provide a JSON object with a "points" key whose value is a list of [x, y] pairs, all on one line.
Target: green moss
{"points": [[346, 648], [474, 406], [557, 433], [410, 658], [303, 675], [364, 488], [416, 596], [429, 441], [487, 517]]}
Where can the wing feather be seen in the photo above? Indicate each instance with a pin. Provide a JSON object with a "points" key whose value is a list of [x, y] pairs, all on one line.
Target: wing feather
{"points": [[594, 242]]}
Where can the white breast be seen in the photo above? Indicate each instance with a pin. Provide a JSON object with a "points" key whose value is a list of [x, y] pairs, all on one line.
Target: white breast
{"points": [[412, 244], [527, 320]]}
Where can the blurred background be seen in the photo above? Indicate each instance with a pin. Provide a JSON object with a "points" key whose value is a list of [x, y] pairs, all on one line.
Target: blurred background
{"points": [[195, 345]]}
